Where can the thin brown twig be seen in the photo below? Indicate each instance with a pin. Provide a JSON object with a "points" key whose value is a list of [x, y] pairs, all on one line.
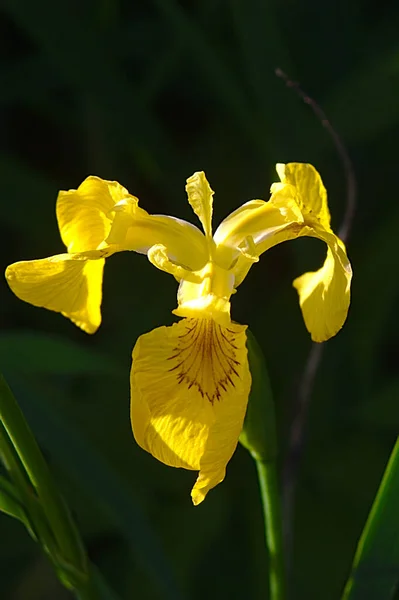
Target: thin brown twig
{"points": [[306, 385], [343, 154]]}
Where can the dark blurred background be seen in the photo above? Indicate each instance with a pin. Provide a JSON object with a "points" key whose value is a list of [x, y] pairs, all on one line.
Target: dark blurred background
{"points": [[147, 93]]}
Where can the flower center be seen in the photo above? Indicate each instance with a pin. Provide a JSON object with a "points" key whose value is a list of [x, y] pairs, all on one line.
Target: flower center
{"points": [[209, 298], [206, 358]]}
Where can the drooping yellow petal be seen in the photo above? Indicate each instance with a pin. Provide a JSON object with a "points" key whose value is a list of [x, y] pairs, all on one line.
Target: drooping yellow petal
{"points": [[311, 195], [190, 384], [200, 196], [85, 215], [134, 229], [324, 295], [65, 283], [298, 207]]}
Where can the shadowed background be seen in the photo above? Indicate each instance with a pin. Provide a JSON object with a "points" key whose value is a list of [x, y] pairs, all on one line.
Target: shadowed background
{"points": [[147, 93]]}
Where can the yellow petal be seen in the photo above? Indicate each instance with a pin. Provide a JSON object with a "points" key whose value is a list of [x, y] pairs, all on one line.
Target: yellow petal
{"points": [[190, 384], [158, 256], [254, 218], [324, 295], [200, 197], [85, 215], [311, 195], [254, 228], [65, 283], [134, 229]]}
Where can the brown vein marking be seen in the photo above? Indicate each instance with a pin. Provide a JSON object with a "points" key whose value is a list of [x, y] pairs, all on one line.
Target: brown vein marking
{"points": [[206, 358]]}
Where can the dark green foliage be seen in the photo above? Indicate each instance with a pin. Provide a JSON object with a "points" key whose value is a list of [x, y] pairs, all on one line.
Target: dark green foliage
{"points": [[147, 93]]}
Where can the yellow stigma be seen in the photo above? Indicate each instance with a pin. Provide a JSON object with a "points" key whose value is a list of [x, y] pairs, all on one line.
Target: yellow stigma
{"points": [[208, 299]]}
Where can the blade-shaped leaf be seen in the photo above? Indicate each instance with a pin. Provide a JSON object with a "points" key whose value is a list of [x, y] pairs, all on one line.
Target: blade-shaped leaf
{"points": [[10, 502], [93, 474], [375, 571]]}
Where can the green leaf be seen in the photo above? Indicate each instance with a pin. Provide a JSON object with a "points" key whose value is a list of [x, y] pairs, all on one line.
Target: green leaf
{"points": [[11, 502], [375, 571], [38, 353], [94, 475], [21, 489], [57, 513], [259, 435], [48, 514], [28, 510]]}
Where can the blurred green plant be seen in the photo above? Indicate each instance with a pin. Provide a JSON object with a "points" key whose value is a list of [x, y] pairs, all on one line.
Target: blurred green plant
{"points": [[32, 497]]}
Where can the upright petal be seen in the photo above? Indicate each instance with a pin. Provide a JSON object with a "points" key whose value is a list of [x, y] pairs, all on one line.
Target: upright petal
{"points": [[200, 196], [255, 219], [85, 215], [311, 195], [254, 228], [239, 224], [69, 284], [134, 229], [190, 384]]}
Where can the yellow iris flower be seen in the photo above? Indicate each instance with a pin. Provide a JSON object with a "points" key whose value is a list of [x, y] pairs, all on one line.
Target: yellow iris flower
{"points": [[190, 382]]}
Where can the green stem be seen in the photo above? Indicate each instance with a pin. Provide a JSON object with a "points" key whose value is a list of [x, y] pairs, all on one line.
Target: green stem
{"points": [[259, 436], [269, 489]]}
